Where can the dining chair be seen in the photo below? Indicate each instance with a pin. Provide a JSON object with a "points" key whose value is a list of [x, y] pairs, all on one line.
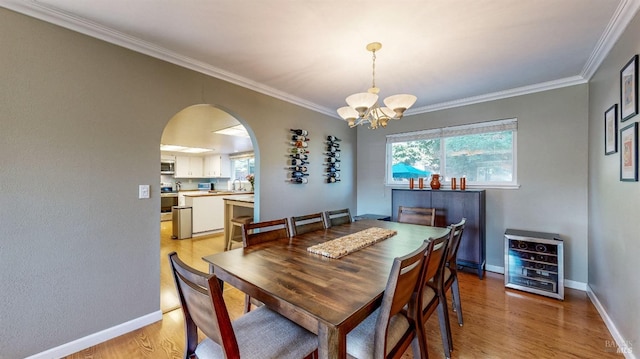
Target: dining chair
{"points": [[337, 217], [450, 276], [260, 232], [417, 215], [261, 333], [308, 223], [429, 298], [390, 330]]}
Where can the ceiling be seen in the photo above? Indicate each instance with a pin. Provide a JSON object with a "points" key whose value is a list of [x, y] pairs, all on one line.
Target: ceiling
{"points": [[312, 53]]}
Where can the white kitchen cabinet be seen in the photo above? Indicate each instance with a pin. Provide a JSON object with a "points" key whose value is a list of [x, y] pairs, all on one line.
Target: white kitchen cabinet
{"points": [[217, 166], [207, 212], [181, 199], [189, 167]]}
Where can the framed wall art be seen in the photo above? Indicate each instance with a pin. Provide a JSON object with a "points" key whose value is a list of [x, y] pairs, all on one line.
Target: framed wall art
{"points": [[629, 89], [611, 130], [629, 153]]}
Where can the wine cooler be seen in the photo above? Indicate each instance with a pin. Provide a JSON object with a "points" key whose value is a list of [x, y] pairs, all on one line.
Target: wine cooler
{"points": [[534, 262]]}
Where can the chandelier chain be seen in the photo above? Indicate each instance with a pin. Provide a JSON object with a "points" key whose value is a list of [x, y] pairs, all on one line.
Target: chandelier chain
{"points": [[373, 72]]}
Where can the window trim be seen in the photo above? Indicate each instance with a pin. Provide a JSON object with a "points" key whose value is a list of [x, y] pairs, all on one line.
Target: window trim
{"points": [[454, 131]]}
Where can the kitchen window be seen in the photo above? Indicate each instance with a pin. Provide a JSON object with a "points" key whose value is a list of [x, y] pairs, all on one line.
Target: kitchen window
{"points": [[484, 153], [242, 165]]}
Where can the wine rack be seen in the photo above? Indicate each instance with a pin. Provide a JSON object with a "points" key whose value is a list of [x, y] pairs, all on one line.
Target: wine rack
{"points": [[298, 157], [534, 262], [332, 162]]}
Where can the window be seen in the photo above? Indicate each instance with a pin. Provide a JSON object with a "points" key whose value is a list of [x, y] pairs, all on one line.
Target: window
{"points": [[242, 165], [483, 153]]}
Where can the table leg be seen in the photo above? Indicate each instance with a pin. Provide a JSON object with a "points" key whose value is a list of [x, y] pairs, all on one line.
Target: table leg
{"points": [[331, 343]]}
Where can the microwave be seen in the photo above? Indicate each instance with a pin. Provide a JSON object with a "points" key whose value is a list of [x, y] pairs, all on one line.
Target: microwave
{"points": [[206, 186], [167, 167]]}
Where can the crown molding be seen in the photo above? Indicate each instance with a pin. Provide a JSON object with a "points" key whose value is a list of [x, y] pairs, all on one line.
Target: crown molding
{"points": [[622, 16], [618, 23]]}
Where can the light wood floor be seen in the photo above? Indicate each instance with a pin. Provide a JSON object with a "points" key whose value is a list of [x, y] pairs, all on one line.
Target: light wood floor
{"points": [[498, 323]]}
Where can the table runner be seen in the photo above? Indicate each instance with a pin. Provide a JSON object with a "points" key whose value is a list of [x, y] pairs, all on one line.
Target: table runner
{"points": [[342, 246]]}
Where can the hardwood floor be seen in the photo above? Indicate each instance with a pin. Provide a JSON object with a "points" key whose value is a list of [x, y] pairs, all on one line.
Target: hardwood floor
{"points": [[498, 323]]}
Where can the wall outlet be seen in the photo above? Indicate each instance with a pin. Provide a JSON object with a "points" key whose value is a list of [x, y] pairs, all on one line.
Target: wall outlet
{"points": [[143, 191]]}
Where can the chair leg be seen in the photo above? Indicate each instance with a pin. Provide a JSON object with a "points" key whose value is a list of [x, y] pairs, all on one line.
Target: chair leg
{"points": [[422, 340], [445, 329], [232, 232], [415, 345], [247, 303], [457, 304]]}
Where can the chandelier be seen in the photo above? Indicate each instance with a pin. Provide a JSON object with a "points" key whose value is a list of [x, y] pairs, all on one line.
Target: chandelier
{"points": [[364, 108]]}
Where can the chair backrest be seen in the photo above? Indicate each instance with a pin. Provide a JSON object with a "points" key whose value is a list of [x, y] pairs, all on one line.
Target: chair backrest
{"points": [[403, 282], [203, 307], [338, 217], [417, 215], [435, 259], [308, 223], [454, 241], [259, 232]]}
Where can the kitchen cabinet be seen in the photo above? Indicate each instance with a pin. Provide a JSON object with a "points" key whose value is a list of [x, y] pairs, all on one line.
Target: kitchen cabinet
{"points": [[208, 212], [181, 199], [189, 167], [217, 166], [451, 206]]}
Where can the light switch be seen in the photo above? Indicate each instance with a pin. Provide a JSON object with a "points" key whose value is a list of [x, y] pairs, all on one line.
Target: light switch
{"points": [[143, 191]]}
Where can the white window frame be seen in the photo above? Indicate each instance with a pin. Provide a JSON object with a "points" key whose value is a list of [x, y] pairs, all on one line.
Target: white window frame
{"points": [[453, 131]]}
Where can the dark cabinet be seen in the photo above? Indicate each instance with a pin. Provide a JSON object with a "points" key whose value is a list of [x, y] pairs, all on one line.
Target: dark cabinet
{"points": [[451, 207]]}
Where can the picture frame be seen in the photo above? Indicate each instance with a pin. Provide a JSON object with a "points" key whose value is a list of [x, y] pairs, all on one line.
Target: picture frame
{"points": [[629, 153], [629, 89], [611, 130]]}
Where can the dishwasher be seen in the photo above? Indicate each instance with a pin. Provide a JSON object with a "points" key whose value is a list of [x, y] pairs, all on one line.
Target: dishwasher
{"points": [[182, 222]]}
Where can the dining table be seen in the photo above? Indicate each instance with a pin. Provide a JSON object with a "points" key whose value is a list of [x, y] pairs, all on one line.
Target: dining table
{"points": [[327, 296]]}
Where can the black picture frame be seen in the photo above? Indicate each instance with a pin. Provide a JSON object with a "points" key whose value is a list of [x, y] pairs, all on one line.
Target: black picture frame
{"points": [[611, 130], [629, 89], [629, 153]]}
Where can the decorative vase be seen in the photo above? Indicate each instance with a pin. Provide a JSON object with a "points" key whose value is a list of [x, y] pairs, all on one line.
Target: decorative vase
{"points": [[435, 181]]}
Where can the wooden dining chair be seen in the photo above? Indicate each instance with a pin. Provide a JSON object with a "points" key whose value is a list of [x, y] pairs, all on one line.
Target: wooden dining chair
{"points": [[261, 333], [450, 276], [308, 223], [429, 298], [260, 232], [417, 215], [338, 217], [390, 330]]}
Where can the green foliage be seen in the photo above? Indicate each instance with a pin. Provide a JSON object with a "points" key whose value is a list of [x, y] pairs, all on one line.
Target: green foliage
{"points": [[423, 152]]}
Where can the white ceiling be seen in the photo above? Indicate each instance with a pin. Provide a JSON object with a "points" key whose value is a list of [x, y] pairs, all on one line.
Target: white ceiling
{"points": [[312, 53]]}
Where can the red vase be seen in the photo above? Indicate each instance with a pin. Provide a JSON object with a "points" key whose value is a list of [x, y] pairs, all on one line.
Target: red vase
{"points": [[435, 181]]}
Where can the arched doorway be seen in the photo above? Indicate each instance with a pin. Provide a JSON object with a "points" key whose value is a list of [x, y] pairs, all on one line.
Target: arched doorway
{"points": [[195, 135]]}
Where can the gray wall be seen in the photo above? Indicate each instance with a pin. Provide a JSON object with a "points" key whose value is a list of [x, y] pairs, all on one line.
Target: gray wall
{"points": [[552, 169], [614, 227], [80, 128]]}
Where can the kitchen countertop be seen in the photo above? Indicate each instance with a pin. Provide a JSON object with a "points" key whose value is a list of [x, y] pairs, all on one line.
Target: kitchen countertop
{"points": [[216, 193], [248, 198]]}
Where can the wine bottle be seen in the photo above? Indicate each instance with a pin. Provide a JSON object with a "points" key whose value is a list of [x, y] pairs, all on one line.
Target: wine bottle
{"points": [[298, 168], [333, 154], [299, 144], [332, 180], [298, 174], [299, 180], [332, 169], [299, 150], [299, 132], [332, 160], [333, 139], [300, 156], [333, 149], [334, 165], [333, 144], [300, 138], [297, 162], [333, 174]]}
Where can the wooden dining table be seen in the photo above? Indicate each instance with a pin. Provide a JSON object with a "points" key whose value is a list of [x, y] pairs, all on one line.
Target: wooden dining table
{"points": [[328, 297]]}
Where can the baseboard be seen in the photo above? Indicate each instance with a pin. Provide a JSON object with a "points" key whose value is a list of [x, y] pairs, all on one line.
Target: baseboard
{"points": [[567, 283], [622, 346], [99, 337]]}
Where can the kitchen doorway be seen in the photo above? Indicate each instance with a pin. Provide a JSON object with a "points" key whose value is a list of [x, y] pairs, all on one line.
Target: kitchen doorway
{"points": [[198, 133]]}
